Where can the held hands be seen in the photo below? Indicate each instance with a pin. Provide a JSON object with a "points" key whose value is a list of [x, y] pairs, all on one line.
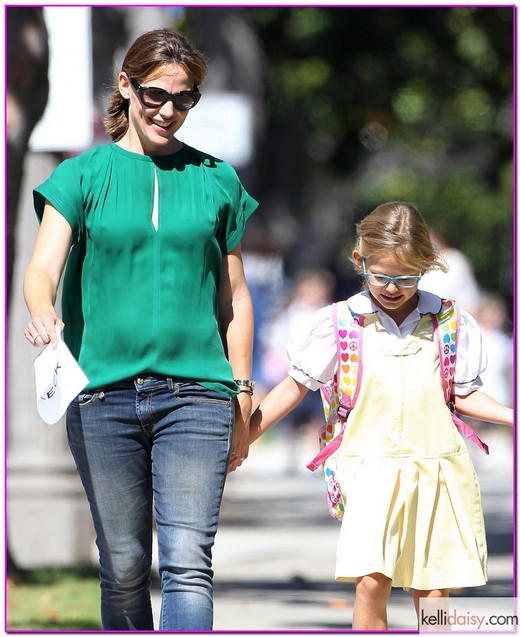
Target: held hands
{"points": [[280, 401], [240, 449], [41, 330]]}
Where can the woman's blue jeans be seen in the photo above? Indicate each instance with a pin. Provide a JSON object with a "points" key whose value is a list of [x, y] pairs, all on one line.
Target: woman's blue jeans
{"points": [[144, 446]]}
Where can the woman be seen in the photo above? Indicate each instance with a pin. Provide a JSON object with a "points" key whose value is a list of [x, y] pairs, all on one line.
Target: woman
{"points": [[157, 311]]}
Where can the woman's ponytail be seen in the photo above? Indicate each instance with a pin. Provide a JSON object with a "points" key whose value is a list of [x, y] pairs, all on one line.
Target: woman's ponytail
{"points": [[116, 120]]}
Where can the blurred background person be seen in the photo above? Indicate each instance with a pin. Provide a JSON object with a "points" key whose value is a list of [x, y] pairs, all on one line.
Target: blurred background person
{"points": [[264, 270], [497, 379], [311, 290], [495, 326], [458, 282]]}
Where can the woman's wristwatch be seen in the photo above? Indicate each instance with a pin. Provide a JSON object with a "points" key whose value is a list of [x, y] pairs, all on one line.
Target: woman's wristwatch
{"points": [[246, 386]]}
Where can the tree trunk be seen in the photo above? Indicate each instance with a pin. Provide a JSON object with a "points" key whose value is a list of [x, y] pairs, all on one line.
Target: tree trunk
{"points": [[27, 93]]}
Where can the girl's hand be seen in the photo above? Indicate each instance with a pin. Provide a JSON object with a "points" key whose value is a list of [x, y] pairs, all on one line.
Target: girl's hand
{"points": [[280, 401], [43, 329], [240, 449]]}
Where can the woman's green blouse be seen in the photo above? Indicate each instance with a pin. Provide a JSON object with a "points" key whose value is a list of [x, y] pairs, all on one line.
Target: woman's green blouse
{"points": [[139, 299]]}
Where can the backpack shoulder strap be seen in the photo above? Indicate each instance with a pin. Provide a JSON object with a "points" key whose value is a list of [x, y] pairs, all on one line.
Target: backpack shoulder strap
{"points": [[349, 344], [446, 325], [340, 393]]}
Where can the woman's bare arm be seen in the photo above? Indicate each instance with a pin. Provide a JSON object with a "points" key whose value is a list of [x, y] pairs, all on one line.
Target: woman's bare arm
{"points": [[43, 276]]}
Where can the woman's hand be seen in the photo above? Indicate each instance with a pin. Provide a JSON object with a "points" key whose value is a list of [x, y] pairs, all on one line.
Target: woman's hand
{"points": [[43, 329], [240, 449]]}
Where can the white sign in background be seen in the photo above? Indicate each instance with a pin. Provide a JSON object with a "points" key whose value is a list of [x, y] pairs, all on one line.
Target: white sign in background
{"points": [[222, 125], [67, 123]]}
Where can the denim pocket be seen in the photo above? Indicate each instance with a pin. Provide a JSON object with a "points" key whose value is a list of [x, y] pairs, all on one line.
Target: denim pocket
{"points": [[86, 399], [198, 393]]}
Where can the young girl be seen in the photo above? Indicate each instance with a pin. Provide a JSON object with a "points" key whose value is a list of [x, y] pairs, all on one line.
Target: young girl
{"points": [[413, 515]]}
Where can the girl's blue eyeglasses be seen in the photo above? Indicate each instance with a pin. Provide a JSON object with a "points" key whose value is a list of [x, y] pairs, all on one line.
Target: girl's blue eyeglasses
{"points": [[381, 280]]}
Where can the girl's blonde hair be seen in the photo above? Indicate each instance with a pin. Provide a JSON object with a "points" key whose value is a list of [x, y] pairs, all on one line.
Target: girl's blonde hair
{"points": [[398, 227], [151, 51]]}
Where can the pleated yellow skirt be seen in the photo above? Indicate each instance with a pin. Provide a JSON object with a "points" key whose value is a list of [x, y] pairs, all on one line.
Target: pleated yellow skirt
{"points": [[417, 521], [412, 501]]}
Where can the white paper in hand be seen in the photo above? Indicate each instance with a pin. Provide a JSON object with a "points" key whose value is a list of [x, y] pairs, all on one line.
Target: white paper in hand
{"points": [[59, 379]]}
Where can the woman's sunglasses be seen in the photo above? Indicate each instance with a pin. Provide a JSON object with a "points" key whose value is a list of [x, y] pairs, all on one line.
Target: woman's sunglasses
{"points": [[154, 97]]}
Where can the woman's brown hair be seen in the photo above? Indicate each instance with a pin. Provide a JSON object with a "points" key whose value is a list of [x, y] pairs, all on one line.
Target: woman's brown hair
{"points": [[152, 50], [398, 227]]}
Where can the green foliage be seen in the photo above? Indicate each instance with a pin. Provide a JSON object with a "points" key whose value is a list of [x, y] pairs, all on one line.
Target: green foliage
{"points": [[447, 71], [422, 93], [54, 600]]}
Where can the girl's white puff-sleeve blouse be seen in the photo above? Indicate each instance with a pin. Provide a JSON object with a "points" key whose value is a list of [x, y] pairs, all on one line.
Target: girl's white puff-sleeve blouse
{"points": [[312, 352]]}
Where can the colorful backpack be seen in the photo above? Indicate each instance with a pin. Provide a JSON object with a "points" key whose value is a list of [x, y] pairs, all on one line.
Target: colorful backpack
{"points": [[340, 393]]}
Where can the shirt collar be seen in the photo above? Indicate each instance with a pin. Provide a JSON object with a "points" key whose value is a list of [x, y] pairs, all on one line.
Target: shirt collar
{"points": [[428, 304]]}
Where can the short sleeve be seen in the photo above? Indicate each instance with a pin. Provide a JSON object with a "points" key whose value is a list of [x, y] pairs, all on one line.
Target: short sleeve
{"points": [[471, 357], [238, 206], [312, 352], [63, 191]]}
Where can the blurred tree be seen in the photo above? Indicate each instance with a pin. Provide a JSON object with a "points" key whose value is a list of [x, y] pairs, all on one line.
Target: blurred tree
{"points": [[236, 62], [109, 34], [372, 104], [27, 93]]}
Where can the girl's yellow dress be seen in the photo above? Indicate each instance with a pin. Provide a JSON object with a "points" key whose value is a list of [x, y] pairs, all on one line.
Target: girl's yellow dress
{"points": [[412, 501]]}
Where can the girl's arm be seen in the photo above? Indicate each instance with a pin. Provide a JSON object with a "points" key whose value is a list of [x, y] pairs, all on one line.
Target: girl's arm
{"points": [[471, 361], [43, 275], [481, 406], [280, 401], [236, 327]]}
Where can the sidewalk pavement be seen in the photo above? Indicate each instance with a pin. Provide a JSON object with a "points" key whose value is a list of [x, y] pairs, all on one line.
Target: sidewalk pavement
{"points": [[274, 555]]}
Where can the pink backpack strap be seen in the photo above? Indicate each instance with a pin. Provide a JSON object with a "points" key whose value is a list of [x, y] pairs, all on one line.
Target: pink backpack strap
{"points": [[354, 345], [468, 432], [348, 335], [446, 327], [325, 452]]}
